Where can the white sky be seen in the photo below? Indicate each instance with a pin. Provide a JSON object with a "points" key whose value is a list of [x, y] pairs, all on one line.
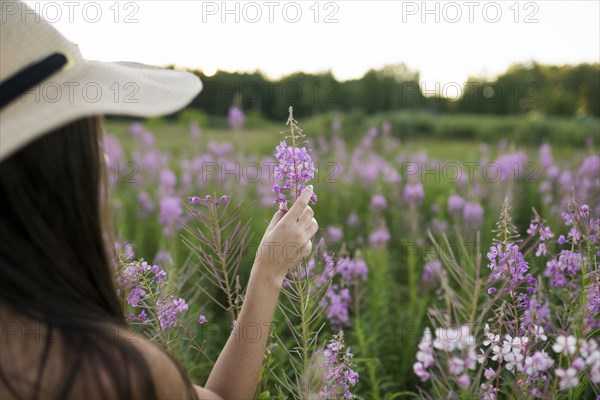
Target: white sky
{"points": [[368, 34]]}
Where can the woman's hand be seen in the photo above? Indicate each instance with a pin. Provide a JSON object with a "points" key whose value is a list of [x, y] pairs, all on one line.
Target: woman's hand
{"points": [[287, 240]]}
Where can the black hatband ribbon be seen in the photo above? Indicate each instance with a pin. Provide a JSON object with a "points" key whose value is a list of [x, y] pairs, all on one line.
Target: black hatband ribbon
{"points": [[30, 76]]}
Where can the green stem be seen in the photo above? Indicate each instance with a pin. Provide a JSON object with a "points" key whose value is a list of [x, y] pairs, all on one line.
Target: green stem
{"points": [[223, 262], [304, 330], [154, 310], [412, 279], [198, 346]]}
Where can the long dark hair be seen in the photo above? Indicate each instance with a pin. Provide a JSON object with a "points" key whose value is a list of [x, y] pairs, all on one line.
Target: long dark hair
{"points": [[54, 261]]}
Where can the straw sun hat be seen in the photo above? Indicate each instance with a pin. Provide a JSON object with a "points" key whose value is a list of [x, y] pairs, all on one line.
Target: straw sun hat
{"points": [[45, 83]]}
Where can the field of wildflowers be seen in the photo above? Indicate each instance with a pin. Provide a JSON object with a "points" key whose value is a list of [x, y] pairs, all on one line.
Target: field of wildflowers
{"points": [[470, 273]]}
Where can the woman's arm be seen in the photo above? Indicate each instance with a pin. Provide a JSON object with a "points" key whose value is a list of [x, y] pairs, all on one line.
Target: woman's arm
{"points": [[286, 241]]}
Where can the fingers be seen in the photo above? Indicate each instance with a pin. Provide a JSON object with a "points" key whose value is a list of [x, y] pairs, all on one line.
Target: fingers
{"points": [[307, 249], [312, 228], [306, 216], [276, 218], [300, 205]]}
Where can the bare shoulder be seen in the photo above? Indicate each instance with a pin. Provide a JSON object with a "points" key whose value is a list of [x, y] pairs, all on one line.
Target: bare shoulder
{"points": [[171, 380]]}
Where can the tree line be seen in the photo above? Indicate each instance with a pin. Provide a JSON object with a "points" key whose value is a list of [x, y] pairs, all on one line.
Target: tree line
{"points": [[524, 88]]}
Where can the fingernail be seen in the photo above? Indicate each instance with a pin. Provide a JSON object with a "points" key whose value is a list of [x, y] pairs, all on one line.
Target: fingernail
{"points": [[310, 187]]}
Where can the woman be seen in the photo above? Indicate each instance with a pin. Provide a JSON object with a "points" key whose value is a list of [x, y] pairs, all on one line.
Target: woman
{"points": [[62, 328]]}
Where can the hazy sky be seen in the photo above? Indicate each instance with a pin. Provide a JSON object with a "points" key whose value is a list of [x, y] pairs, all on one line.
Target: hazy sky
{"points": [[485, 40]]}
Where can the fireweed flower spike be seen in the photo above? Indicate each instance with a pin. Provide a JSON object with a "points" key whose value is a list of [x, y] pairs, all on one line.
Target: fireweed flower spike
{"points": [[295, 167], [339, 370], [507, 262], [152, 304], [207, 199], [236, 117]]}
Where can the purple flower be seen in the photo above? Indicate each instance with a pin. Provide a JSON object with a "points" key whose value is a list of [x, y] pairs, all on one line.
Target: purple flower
{"points": [[455, 204], [413, 193], [129, 277], [425, 353], [464, 381], [438, 226], [220, 149], [163, 258], [202, 319], [142, 317], [545, 233], [295, 166], [147, 206], [136, 129], [352, 270], [473, 214], [588, 183], [150, 162], [334, 234], [426, 358], [135, 296], [125, 250], [593, 303], [195, 130], [236, 117], [568, 378], [194, 200], [147, 139], [169, 310], [563, 268], [578, 364], [337, 301], [159, 274], [339, 370], [352, 219], [488, 392], [379, 237], [167, 179], [378, 202], [329, 268], [139, 133], [507, 263], [431, 272], [421, 372], [170, 213], [539, 362], [561, 239], [456, 365], [585, 210], [508, 166], [538, 226], [545, 154], [222, 200]]}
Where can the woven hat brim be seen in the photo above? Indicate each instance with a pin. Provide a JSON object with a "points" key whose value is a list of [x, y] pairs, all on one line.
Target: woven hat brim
{"points": [[94, 88]]}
